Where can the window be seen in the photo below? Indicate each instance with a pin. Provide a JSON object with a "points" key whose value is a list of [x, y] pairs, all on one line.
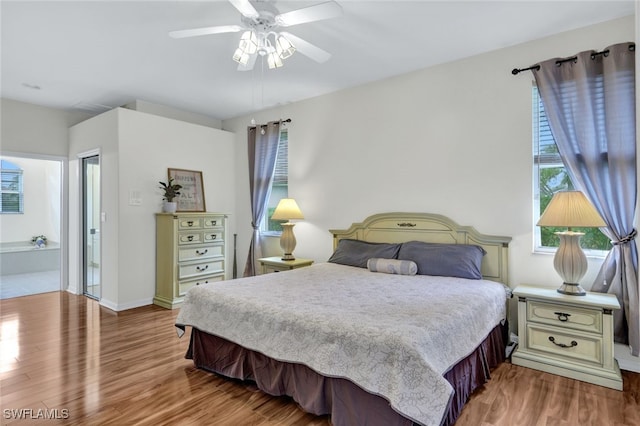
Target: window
{"points": [[280, 185], [550, 176], [11, 184]]}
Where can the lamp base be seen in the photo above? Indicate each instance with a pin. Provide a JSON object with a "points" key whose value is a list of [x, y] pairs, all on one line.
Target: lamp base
{"points": [[570, 263], [288, 241], [571, 289]]}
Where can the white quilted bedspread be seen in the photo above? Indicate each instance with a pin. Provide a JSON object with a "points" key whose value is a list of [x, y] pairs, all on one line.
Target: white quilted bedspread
{"points": [[392, 335]]}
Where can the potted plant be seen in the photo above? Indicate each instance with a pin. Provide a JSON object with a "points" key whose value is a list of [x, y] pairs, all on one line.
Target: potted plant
{"points": [[171, 191], [39, 241]]}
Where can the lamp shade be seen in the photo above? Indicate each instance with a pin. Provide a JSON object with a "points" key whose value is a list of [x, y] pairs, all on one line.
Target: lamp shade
{"points": [[248, 42], [287, 209], [571, 209], [284, 47]]}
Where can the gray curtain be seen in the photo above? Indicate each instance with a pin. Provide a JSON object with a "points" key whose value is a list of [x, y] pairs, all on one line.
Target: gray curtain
{"points": [[263, 151], [590, 104]]}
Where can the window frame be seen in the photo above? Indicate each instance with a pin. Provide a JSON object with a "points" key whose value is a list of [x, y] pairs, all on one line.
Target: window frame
{"points": [[280, 179], [19, 173], [542, 161]]}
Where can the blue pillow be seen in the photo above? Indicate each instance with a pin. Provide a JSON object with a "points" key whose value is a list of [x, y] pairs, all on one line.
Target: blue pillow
{"points": [[447, 260], [357, 253]]}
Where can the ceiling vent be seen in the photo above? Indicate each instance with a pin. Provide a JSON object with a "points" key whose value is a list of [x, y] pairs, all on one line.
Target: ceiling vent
{"points": [[90, 107]]}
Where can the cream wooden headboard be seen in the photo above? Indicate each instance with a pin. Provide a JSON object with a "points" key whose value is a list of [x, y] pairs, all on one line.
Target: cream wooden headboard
{"points": [[432, 228]]}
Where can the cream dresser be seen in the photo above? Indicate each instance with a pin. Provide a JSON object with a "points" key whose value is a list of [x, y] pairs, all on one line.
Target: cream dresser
{"points": [[571, 336], [190, 250]]}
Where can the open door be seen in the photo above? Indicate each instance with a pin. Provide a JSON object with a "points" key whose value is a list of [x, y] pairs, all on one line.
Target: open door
{"points": [[91, 226]]}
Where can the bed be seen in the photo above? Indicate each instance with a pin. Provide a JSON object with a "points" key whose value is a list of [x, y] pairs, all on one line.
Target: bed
{"points": [[363, 337]]}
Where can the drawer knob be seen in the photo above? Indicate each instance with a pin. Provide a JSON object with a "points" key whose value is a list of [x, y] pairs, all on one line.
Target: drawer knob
{"points": [[202, 269], [190, 223], [202, 252], [190, 237], [213, 236], [562, 345], [206, 282], [213, 222], [562, 316]]}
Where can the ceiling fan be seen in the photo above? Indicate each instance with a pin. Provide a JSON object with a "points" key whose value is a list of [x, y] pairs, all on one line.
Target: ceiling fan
{"points": [[261, 35]]}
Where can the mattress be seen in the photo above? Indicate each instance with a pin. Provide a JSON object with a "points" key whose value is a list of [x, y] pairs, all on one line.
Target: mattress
{"points": [[394, 336]]}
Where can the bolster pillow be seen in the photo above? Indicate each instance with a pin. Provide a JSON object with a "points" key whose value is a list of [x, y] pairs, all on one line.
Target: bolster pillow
{"points": [[392, 266]]}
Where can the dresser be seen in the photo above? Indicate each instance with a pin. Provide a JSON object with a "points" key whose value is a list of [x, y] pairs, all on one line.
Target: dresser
{"points": [[571, 336], [276, 264], [190, 250]]}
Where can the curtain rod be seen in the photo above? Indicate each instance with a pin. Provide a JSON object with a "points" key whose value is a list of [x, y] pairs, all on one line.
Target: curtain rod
{"points": [[536, 67], [288, 120]]}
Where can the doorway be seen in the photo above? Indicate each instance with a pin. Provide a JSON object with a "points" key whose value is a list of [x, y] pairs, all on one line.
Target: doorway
{"points": [[91, 227], [31, 234]]}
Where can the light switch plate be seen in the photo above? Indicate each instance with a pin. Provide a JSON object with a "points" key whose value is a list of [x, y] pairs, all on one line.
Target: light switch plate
{"points": [[135, 197]]}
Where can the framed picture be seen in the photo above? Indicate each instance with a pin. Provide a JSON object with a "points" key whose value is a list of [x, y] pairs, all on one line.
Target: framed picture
{"points": [[191, 198]]}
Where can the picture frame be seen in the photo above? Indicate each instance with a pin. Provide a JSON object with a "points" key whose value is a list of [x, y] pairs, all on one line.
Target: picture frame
{"points": [[191, 198]]}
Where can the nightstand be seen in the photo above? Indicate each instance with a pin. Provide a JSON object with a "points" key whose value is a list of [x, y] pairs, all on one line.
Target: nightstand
{"points": [[571, 336], [276, 264]]}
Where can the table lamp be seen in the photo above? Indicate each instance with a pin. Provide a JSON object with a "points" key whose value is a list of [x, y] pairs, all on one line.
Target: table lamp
{"points": [[287, 209], [570, 209]]}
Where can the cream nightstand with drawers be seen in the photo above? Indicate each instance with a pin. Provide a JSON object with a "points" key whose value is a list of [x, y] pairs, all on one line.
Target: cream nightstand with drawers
{"points": [[276, 264], [571, 336], [190, 250]]}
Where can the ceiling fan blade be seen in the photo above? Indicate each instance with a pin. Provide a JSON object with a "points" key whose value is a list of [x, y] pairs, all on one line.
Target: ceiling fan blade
{"points": [[250, 63], [205, 31], [307, 49], [318, 12], [245, 8]]}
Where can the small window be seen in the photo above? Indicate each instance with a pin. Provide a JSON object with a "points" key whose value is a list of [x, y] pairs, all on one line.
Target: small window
{"points": [[550, 176], [280, 185], [12, 191]]}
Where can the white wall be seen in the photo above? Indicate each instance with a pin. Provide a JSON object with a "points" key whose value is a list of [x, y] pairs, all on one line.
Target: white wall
{"points": [[33, 129], [42, 180], [176, 114], [453, 139], [96, 135], [136, 150], [43, 133]]}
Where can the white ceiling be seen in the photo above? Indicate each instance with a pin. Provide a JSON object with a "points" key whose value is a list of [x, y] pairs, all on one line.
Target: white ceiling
{"points": [[75, 55]]}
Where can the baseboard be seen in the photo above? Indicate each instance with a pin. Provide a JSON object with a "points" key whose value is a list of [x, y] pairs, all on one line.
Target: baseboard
{"points": [[124, 306], [626, 361]]}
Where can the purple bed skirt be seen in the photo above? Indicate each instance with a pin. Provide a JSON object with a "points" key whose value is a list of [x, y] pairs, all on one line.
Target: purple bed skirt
{"points": [[344, 401]]}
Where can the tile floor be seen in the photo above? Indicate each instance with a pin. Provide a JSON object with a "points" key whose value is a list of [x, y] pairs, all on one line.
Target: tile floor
{"points": [[17, 285]]}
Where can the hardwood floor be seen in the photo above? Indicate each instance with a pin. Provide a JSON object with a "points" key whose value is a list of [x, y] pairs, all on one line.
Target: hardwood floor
{"points": [[65, 356]]}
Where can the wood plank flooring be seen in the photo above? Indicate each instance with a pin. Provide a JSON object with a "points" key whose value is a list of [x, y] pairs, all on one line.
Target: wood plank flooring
{"points": [[64, 356]]}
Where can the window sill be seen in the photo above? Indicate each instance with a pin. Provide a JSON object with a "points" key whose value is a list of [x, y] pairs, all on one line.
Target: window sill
{"points": [[271, 234], [592, 254]]}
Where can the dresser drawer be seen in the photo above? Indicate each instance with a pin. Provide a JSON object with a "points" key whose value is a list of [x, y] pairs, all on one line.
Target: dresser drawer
{"points": [[559, 343], [212, 236], [190, 223], [200, 252], [190, 238], [570, 317], [214, 222], [183, 286], [192, 270]]}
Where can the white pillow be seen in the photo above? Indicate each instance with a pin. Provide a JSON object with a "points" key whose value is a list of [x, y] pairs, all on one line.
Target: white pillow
{"points": [[392, 266]]}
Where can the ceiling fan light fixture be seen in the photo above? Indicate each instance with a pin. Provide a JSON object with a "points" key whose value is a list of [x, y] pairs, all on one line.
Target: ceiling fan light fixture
{"points": [[240, 56], [284, 47], [273, 60], [248, 42], [260, 36]]}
